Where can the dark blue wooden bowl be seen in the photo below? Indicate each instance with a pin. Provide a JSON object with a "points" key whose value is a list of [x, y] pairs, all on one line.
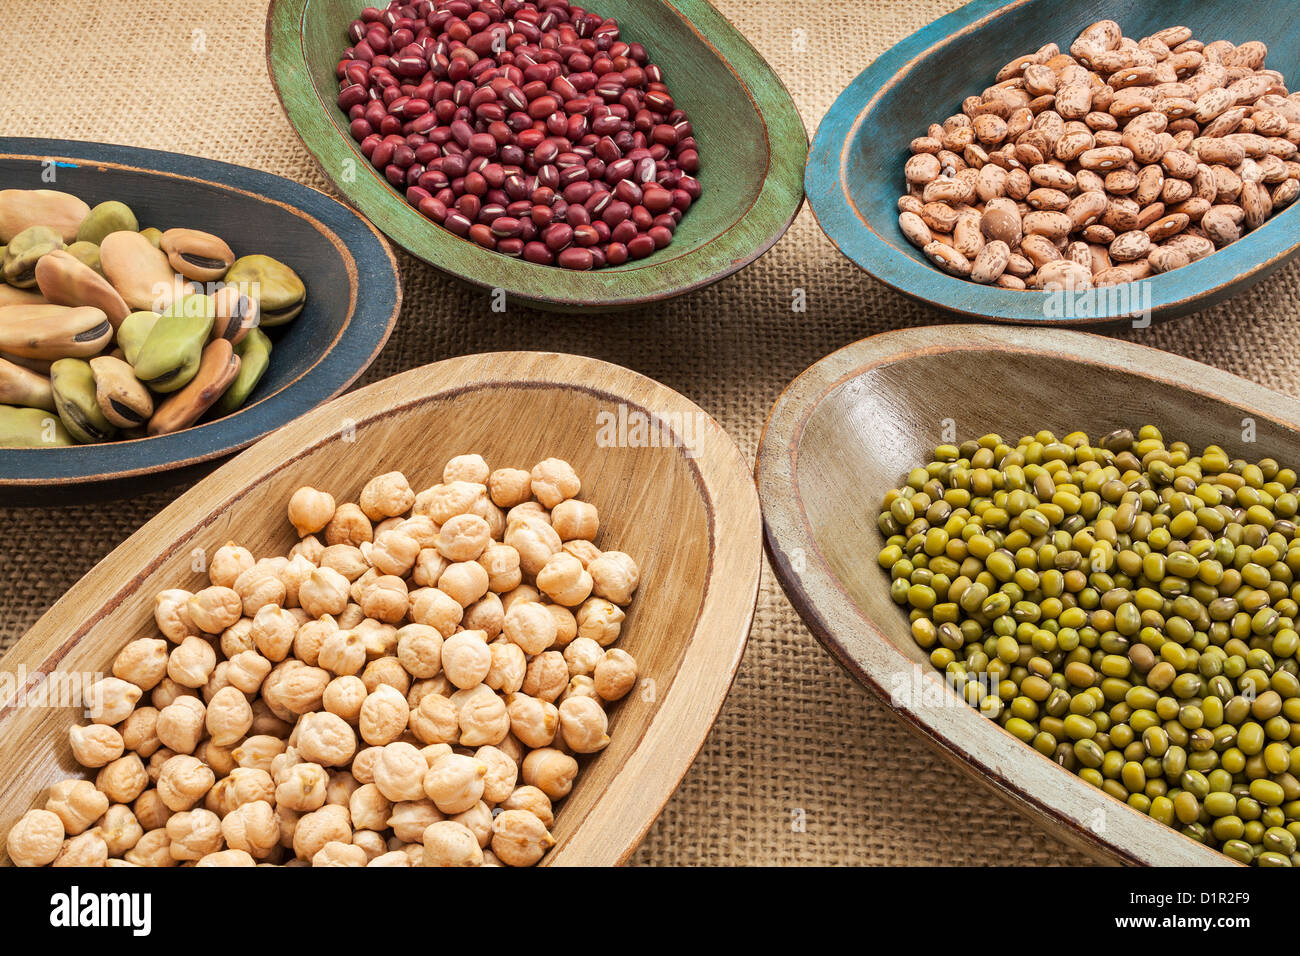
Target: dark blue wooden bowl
{"points": [[855, 168], [353, 297]]}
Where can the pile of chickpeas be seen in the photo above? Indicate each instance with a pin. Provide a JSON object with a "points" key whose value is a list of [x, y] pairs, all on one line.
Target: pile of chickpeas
{"points": [[410, 686]]}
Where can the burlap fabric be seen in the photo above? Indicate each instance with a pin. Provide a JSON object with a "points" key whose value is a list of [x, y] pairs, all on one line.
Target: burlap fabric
{"points": [[803, 767]]}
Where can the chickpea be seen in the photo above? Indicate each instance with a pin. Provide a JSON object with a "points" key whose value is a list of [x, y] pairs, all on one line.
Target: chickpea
{"points": [[152, 849], [394, 552], [566, 625], [410, 819], [294, 688], [615, 674], [399, 772], [183, 781], [579, 686], [550, 771], [471, 468], [140, 731], [315, 829], [533, 721], [310, 637], [326, 739], [192, 662], [371, 842], [486, 615], [512, 748], [111, 700], [292, 576], [519, 838], [340, 788], [88, 849], [502, 773], [535, 540], [584, 551], [435, 720], [266, 722], [482, 715], [228, 563], [220, 758], [508, 666], [217, 681], [384, 715], [582, 656], [343, 653], [194, 834], [379, 638], [386, 670], [464, 538], [335, 853], [455, 783], [252, 827], [229, 716], [119, 829], [530, 626], [215, 608], [564, 580], [226, 858], [527, 509], [348, 560], [575, 520], [392, 858], [449, 843], [386, 496], [238, 638], [444, 501], [429, 685], [35, 839], [258, 587], [150, 810], [509, 487], [95, 745], [246, 672], [419, 649], [156, 762], [288, 820], [385, 599], [546, 677], [273, 632], [352, 616], [325, 592], [123, 779], [421, 529], [466, 658], [524, 594], [171, 612], [168, 691], [584, 724], [142, 662], [257, 752], [180, 724], [245, 785], [464, 582], [436, 609], [348, 526], [600, 620], [344, 697], [77, 803], [309, 547], [310, 510], [429, 565], [368, 808], [614, 577]]}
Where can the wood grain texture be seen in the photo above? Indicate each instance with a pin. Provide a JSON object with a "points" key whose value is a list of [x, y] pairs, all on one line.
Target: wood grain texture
{"points": [[752, 144], [851, 427], [687, 512], [353, 298], [855, 166]]}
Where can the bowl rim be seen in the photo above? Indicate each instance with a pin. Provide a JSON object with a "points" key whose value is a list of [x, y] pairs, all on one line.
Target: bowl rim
{"points": [[367, 326], [687, 708], [1172, 294], [771, 213], [978, 746]]}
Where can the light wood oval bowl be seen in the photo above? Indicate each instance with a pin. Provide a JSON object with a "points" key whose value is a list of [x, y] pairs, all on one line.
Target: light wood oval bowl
{"points": [[851, 427], [688, 514]]}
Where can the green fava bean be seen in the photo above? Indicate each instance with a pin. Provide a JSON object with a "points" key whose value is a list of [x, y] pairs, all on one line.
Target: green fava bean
{"points": [[77, 402], [133, 331], [277, 288], [107, 217], [23, 252], [86, 253], [170, 355], [31, 428], [154, 236], [254, 352]]}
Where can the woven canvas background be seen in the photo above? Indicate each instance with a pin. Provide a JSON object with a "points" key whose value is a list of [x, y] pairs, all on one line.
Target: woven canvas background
{"points": [[796, 733]]}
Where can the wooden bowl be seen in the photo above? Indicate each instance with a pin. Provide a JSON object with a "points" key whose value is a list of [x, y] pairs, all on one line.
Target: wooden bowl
{"points": [[855, 169], [353, 297], [751, 139], [851, 427], [688, 513]]}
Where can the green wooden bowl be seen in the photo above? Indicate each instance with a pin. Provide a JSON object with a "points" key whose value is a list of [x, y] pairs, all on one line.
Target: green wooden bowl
{"points": [[752, 144]]}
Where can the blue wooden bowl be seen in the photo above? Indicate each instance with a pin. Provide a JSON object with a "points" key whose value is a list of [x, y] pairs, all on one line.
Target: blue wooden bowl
{"points": [[353, 297], [855, 168]]}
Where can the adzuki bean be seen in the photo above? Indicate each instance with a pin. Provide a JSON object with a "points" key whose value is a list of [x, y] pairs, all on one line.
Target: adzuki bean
{"points": [[529, 128]]}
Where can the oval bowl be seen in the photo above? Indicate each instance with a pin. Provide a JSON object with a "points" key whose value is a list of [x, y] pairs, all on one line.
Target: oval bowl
{"points": [[751, 194], [684, 508], [353, 297], [850, 428], [855, 168]]}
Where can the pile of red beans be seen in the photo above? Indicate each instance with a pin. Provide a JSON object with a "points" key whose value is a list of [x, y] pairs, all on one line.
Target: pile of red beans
{"points": [[527, 127]]}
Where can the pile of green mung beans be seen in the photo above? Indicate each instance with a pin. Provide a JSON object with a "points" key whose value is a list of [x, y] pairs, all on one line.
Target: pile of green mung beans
{"points": [[1126, 608]]}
